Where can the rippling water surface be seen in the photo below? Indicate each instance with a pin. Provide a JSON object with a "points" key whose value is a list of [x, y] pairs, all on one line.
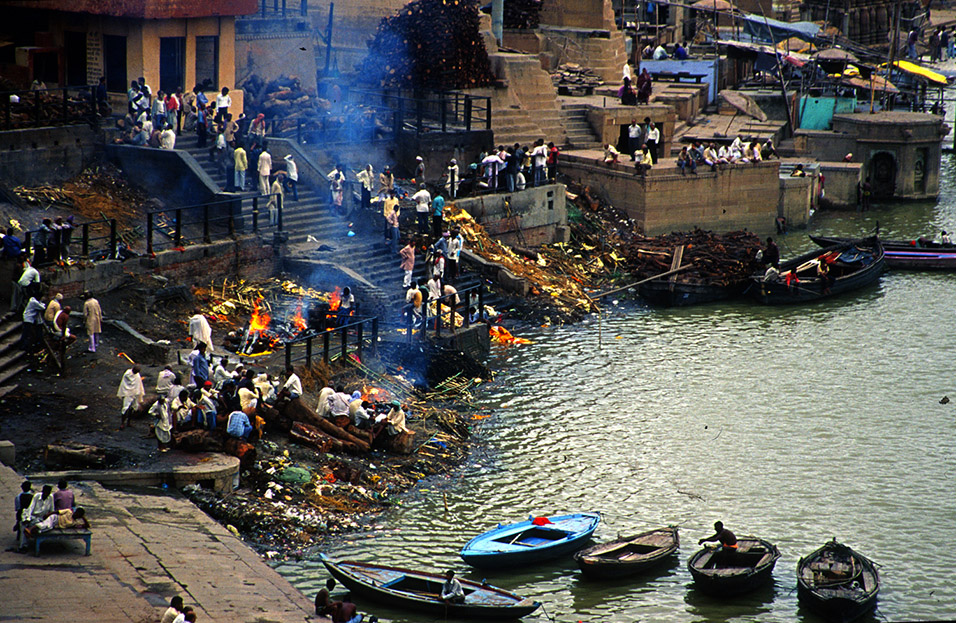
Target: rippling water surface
{"points": [[797, 424]]}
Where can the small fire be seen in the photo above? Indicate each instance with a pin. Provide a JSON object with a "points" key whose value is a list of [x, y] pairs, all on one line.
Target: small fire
{"points": [[374, 394], [297, 320], [335, 299], [259, 320]]}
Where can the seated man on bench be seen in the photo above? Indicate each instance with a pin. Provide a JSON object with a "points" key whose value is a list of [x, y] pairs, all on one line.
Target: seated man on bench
{"points": [[60, 520]]}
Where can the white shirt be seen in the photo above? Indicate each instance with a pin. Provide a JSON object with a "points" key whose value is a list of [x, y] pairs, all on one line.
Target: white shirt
{"points": [[293, 384], [30, 275], [540, 155], [164, 381], [131, 386], [223, 101], [634, 130], [653, 134], [366, 176], [422, 200], [200, 331], [292, 170], [660, 53], [454, 248], [265, 163], [167, 139]]}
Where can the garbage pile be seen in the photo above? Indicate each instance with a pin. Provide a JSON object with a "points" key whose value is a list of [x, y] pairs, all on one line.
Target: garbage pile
{"points": [[429, 43], [572, 79]]}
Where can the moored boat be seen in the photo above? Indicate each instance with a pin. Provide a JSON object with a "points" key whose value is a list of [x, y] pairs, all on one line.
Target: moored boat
{"points": [[720, 572], [417, 590], [849, 266], [682, 293], [837, 582], [532, 541], [628, 556], [919, 254]]}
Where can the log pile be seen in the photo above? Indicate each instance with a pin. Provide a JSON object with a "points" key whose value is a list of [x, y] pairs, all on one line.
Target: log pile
{"points": [[429, 43], [522, 14], [23, 114], [718, 259], [571, 77]]}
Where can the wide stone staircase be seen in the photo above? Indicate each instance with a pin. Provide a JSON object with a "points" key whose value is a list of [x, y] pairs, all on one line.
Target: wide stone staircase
{"points": [[365, 253], [580, 134], [13, 361], [529, 109]]}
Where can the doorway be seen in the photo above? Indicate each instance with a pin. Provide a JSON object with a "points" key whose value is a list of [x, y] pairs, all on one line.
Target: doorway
{"points": [[114, 63], [172, 63], [75, 48], [883, 174]]}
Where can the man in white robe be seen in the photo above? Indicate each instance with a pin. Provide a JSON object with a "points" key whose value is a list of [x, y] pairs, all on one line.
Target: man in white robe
{"points": [[200, 331]]}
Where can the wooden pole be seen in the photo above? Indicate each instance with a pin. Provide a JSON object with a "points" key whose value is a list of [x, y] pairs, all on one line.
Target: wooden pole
{"points": [[637, 283]]}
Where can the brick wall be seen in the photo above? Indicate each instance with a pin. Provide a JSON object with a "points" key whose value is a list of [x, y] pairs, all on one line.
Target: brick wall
{"points": [[733, 198], [47, 155]]}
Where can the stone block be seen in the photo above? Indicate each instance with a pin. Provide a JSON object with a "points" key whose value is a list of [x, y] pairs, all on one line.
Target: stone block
{"points": [[8, 453], [510, 282]]}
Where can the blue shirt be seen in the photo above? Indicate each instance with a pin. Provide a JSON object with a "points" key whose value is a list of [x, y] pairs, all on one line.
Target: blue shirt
{"points": [[238, 425], [438, 205], [11, 246], [201, 368], [680, 53]]}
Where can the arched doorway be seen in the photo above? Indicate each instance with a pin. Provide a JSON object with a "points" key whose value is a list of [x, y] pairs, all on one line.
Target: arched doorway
{"points": [[883, 174]]}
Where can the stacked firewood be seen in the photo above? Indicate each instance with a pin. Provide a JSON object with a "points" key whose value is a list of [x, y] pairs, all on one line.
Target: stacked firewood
{"points": [[23, 111], [282, 99], [718, 259], [574, 75], [522, 14], [429, 43]]}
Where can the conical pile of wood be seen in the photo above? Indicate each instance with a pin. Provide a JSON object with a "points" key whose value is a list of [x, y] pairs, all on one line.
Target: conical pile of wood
{"points": [[572, 75], [429, 43]]}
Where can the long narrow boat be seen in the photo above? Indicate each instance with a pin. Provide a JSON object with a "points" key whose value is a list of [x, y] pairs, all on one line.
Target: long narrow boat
{"points": [[917, 254], [838, 583], [532, 541], [726, 573], [416, 590], [683, 292], [851, 265], [628, 556]]}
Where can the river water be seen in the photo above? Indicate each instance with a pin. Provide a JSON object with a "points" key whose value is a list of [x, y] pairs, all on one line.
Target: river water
{"points": [[796, 424]]}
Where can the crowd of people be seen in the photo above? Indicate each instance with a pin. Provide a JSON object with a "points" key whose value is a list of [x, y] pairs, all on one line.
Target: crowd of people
{"points": [[238, 143]]}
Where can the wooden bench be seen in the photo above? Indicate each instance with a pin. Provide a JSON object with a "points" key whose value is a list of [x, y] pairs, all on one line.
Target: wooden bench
{"points": [[58, 534]]}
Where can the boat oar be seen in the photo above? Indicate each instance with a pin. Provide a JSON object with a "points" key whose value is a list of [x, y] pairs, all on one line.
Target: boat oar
{"points": [[643, 281]]}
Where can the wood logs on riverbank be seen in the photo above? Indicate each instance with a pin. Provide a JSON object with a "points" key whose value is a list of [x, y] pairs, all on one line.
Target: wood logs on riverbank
{"points": [[718, 259]]}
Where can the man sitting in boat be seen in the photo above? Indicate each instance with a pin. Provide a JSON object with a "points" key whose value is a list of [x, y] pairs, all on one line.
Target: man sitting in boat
{"points": [[451, 590], [728, 541], [945, 240]]}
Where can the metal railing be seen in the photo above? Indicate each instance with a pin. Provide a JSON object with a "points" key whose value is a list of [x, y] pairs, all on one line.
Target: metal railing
{"points": [[281, 7], [39, 108], [356, 325], [435, 111], [88, 240], [460, 301], [204, 222]]}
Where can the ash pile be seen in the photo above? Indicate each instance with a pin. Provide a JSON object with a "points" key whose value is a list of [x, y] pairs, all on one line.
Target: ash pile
{"points": [[575, 79]]}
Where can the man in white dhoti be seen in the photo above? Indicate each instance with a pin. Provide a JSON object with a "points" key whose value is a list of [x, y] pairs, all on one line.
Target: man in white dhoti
{"points": [[200, 331], [132, 392]]}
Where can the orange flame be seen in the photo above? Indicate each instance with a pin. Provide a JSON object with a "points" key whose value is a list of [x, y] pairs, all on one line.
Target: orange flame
{"points": [[335, 299], [259, 320], [297, 320]]}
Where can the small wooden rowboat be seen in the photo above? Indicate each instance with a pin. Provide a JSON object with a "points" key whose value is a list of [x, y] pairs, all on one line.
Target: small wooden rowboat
{"points": [[725, 573], [838, 583], [417, 590], [532, 541], [917, 254], [628, 556], [850, 266]]}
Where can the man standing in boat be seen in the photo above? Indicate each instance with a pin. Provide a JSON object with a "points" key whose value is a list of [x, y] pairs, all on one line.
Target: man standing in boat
{"points": [[771, 255], [727, 539], [451, 590]]}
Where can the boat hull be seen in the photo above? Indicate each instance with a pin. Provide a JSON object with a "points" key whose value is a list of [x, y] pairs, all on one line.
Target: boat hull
{"points": [[372, 582], [903, 255], [728, 581], [665, 294], [814, 289], [594, 565], [524, 543], [840, 601]]}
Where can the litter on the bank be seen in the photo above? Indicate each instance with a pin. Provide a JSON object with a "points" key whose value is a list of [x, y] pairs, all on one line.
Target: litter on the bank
{"points": [[502, 336]]}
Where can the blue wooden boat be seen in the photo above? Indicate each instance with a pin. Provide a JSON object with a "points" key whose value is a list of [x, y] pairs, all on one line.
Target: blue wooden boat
{"points": [[918, 254], [419, 590], [530, 541]]}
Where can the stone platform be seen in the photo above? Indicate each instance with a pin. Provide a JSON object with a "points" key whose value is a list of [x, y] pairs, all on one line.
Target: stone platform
{"points": [[147, 547]]}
